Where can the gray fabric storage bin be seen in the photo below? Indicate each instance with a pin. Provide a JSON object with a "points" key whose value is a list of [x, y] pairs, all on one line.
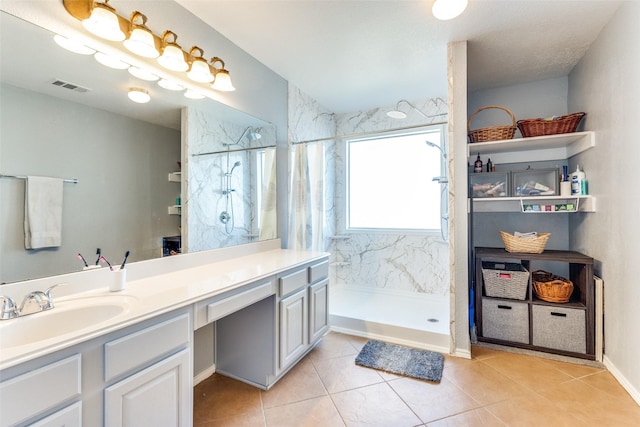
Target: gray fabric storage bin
{"points": [[559, 328], [505, 320]]}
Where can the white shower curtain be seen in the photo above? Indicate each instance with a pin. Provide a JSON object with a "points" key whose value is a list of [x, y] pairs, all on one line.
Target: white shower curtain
{"points": [[306, 198]]}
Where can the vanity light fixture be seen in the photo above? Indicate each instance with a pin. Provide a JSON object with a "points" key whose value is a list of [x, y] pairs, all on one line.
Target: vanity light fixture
{"points": [[139, 95], [143, 74], [73, 45], [199, 70], [192, 94], [448, 9], [169, 85], [222, 80], [172, 57], [141, 40], [104, 22], [110, 61]]}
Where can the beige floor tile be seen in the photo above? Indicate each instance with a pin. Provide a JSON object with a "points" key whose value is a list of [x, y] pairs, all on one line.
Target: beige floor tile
{"points": [[317, 412], [253, 419], [432, 401], [575, 370], [483, 383], [531, 372], [375, 405], [300, 383], [479, 352], [334, 345], [220, 397], [606, 382], [477, 418], [531, 409], [342, 373], [358, 342]]}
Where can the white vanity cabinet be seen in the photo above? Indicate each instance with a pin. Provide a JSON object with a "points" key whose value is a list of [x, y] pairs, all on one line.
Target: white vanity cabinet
{"points": [[294, 330], [138, 376]]}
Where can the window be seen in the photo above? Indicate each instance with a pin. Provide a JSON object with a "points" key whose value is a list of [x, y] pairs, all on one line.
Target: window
{"points": [[390, 181]]}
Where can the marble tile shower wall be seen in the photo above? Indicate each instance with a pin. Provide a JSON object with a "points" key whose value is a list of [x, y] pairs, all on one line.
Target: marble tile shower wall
{"points": [[397, 262], [392, 261], [204, 199]]}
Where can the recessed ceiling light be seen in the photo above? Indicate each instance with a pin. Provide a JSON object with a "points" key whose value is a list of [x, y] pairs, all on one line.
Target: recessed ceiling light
{"points": [[139, 95]]}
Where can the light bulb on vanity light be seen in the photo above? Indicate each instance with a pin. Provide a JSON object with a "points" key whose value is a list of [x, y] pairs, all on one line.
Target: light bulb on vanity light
{"points": [[172, 57], [143, 74], [139, 95], [169, 85], [104, 22], [192, 94], [110, 61], [73, 45], [199, 70], [222, 80], [141, 40], [448, 9]]}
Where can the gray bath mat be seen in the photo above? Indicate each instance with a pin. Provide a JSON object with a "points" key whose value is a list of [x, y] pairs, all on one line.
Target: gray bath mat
{"points": [[411, 362]]}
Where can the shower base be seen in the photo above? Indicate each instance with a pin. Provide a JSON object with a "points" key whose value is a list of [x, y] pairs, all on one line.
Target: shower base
{"points": [[412, 319]]}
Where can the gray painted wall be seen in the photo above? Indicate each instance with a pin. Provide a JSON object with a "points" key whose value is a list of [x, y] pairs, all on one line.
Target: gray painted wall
{"points": [[121, 200], [605, 85]]}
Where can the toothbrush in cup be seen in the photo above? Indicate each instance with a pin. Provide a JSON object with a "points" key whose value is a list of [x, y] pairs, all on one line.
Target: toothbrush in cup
{"points": [[98, 252], [107, 262], [124, 261], [81, 258]]}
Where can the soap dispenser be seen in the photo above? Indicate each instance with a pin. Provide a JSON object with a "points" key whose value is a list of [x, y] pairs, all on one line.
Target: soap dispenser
{"points": [[578, 182]]}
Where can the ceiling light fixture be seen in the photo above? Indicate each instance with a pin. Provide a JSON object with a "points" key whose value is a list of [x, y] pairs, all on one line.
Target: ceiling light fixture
{"points": [[199, 70], [110, 61], [139, 95], [448, 9], [222, 80], [172, 57], [73, 45], [104, 22], [141, 40]]}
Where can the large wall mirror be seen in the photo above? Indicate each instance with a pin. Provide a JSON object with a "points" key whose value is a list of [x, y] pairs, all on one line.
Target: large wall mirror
{"points": [[140, 178]]}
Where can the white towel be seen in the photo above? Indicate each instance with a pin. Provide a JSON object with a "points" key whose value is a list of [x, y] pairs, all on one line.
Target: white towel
{"points": [[42, 212]]}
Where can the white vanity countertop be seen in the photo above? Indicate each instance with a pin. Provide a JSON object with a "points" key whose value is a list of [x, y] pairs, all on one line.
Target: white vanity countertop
{"points": [[151, 296]]}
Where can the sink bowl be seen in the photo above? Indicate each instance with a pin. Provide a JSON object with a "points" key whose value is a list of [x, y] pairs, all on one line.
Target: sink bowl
{"points": [[66, 317]]}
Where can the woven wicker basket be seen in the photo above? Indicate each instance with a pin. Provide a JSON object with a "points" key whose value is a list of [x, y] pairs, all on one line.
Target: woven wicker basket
{"points": [[507, 280], [491, 133], [528, 245], [539, 127], [551, 288]]}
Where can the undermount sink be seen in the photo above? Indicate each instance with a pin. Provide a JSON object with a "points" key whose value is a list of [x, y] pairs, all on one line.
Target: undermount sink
{"points": [[66, 317]]}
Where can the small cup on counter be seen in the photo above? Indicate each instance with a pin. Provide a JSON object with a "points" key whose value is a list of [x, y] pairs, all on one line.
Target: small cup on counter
{"points": [[118, 281]]}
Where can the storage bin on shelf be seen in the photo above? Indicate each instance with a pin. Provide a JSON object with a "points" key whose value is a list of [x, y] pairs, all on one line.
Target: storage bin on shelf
{"points": [[489, 184], [529, 245], [553, 126], [505, 280], [535, 182], [550, 287]]}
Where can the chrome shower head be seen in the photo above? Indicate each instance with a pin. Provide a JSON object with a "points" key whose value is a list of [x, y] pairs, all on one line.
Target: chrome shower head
{"points": [[254, 134], [431, 144]]}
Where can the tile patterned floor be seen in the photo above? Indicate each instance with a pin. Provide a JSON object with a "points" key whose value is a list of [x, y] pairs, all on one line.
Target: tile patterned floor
{"points": [[495, 388]]}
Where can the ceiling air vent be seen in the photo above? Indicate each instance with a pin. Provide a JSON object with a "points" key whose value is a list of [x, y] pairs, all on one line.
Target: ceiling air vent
{"points": [[70, 86]]}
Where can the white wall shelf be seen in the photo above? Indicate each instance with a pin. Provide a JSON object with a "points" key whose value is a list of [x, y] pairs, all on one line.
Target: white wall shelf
{"points": [[515, 204], [534, 149], [175, 176]]}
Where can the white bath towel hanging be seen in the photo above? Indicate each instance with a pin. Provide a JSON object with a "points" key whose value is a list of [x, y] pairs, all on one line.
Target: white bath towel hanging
{"points": [[42, 212]]}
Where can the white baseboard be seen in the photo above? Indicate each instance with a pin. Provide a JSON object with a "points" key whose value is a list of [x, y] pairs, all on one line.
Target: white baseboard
{"points": [[622, 380], [201, 376], [391, 339]]}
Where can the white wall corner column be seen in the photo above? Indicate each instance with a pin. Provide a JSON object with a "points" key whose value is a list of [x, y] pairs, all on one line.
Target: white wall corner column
{"points": [[460, 344]]}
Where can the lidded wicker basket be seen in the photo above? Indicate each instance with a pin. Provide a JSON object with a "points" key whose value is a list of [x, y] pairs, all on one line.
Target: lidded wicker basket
{"points": [[491, 133], [551, 288], [557, 125], [528, 245]]}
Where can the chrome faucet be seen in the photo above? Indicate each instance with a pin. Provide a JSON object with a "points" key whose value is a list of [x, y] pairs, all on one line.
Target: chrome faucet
{"points": [[33, 302]]}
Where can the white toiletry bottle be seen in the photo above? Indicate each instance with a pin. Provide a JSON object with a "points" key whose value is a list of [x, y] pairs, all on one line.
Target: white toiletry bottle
{"points": [[577, 178]]}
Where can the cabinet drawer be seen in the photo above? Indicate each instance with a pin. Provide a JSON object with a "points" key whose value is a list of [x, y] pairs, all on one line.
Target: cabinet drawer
{"points": [[225, 306], [292, 282], [559, 328], [318, 271], [71, 416], [43, 389], [505, 320], [136, 350]]}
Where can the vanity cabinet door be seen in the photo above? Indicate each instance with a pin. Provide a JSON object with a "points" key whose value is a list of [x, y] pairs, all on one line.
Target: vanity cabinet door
{"points": [[318, 310], [157, 396], [294, 331]]}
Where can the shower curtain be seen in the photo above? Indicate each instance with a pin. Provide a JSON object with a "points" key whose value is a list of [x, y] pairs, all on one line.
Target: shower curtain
{"points": [[306, 198], [268, 212]]}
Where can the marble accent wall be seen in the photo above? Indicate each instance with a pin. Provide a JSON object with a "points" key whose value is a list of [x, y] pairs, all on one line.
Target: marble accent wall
{"points": [[209, 191], [403, 262]]}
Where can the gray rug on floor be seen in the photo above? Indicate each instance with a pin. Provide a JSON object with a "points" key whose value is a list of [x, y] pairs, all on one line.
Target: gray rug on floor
{"points": [[411, 362]]}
